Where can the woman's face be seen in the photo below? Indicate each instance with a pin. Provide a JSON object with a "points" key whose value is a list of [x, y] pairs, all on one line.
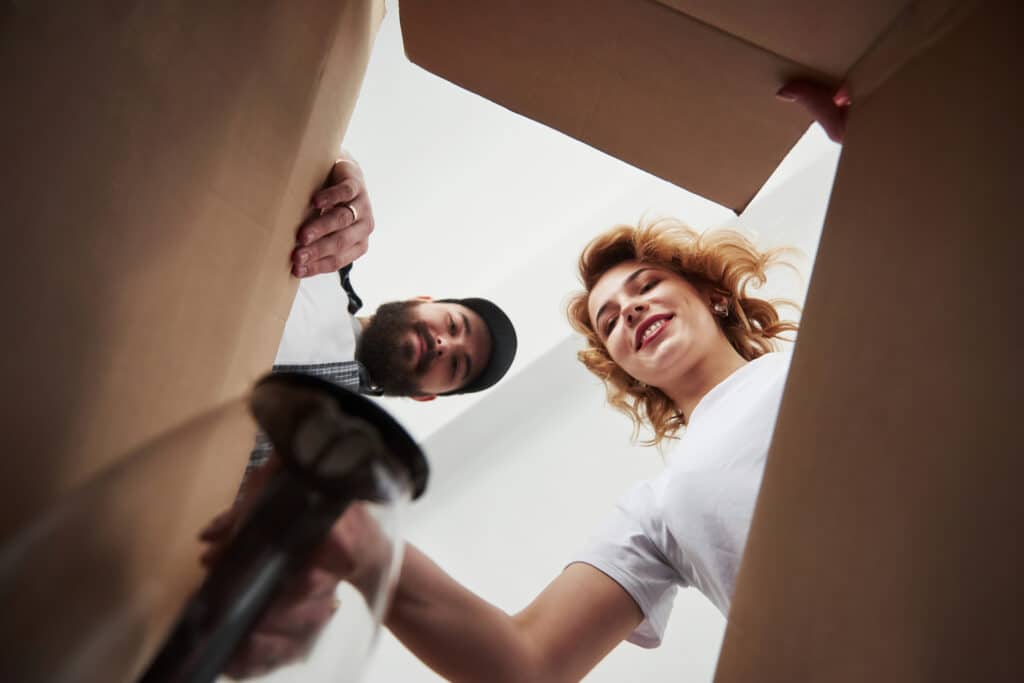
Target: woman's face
{"points": [[655, 325]]}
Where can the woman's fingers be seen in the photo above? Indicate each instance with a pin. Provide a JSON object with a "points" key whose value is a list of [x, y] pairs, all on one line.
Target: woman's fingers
{"points": [[827, 105]]}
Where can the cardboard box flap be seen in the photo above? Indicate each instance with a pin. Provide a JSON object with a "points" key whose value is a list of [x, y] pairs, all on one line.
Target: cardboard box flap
{"points": [[638, 80], [829, 36], [914, 30], [680, 88]]}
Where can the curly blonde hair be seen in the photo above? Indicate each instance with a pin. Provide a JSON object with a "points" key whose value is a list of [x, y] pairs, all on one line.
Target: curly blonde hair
{"points": [[717, 262]]}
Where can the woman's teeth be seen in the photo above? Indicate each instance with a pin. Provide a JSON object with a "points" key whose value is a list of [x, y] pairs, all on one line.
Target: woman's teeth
{"points": [[651, 330]]}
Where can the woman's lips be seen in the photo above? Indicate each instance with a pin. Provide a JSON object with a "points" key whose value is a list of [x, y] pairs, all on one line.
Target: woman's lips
{"points": [[659, 322]]}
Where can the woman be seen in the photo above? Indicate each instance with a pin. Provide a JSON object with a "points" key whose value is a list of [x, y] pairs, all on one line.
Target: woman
{"points": [[679, 342]]}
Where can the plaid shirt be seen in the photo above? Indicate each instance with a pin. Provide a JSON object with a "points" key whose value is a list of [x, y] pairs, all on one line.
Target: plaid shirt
{"points": [[349, 374], [346, 374]]}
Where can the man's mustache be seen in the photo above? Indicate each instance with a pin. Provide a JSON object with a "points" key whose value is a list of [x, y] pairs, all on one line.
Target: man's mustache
{"points": [[429, 344]]}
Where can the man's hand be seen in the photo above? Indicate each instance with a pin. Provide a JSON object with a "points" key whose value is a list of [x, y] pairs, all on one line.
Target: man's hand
{"points": [[355, 550], [339, 231], [827, 105]]}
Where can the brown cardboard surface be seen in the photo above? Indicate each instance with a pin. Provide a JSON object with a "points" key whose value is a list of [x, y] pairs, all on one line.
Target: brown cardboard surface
{"points": [[652, 86], [158, 159], [826, 35], [96, 581], [886, 540]]}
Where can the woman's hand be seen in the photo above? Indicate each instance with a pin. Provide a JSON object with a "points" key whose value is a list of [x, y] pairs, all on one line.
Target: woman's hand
{"points": [[339, 231], [828, 106]]}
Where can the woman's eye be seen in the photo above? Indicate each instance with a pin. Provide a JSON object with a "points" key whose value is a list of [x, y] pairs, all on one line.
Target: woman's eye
{"points": [[649, 285], [609, 326], [451, 326]]}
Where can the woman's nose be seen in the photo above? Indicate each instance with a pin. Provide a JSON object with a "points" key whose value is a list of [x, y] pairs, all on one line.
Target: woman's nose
{"points": [[633, 312]]}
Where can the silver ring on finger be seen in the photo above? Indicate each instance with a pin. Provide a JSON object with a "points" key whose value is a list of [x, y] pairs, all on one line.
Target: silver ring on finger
{"points": [[355, 214]]}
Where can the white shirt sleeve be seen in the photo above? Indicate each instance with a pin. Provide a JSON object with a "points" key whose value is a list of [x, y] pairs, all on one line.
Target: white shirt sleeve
{"points": [[624, 548], [319, 328]]}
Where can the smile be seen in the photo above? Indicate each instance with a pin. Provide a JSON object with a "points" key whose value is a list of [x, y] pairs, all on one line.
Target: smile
{"points": [[650, 329], [424, 349]]}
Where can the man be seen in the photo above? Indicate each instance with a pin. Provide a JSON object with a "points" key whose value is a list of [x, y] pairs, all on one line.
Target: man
{"points": [[419, 348]]}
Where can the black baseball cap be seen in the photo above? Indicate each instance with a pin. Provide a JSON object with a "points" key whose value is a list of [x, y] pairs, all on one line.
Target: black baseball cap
{"points": [[503, 343]]}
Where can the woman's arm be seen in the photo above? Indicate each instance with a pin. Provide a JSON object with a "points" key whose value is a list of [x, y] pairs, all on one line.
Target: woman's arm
{"points": [[561, 635]]}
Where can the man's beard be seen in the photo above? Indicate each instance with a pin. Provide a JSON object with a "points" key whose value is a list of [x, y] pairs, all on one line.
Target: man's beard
{"points": [[387, 352]]}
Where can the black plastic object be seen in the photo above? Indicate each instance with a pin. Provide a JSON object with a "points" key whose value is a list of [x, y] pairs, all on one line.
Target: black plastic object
{"points": [[335, 447]]}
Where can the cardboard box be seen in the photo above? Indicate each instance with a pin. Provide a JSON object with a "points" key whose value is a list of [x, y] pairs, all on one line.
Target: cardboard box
{"points": [[680, 88], [666, 91], [885, 544], [158, 158]]}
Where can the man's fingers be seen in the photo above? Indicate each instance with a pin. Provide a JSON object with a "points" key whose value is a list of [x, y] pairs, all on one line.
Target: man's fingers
{"points": [[332, 262], [339, 218], [219, 527], [262, 652], [313, 582], [826, 105], [209, 557], [332, 244], [299, 618], [339, 193], [338, 234]]}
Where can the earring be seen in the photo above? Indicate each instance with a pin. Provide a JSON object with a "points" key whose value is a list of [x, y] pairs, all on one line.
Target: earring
{"points": [[721, 309]]}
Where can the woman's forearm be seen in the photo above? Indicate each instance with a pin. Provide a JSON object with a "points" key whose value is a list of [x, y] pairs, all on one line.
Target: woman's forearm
{"points": [[456, 633]]}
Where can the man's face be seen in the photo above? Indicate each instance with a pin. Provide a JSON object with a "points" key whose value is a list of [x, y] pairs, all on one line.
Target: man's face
{"points": [[423, 348]]}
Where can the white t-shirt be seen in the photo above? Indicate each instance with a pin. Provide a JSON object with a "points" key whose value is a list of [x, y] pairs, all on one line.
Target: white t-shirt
{"points": [[319, 327], [688, 525]]}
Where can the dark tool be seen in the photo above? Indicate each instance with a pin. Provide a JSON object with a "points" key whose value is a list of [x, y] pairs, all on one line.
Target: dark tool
{"points": [[336, 447]]}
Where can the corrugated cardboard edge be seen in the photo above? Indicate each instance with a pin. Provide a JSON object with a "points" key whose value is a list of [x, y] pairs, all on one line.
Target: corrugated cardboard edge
{"points": [[329, 118], [917, 27]]}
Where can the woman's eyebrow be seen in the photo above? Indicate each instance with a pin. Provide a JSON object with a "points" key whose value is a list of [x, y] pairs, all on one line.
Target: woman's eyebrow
{"points": [[625, 283]]}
